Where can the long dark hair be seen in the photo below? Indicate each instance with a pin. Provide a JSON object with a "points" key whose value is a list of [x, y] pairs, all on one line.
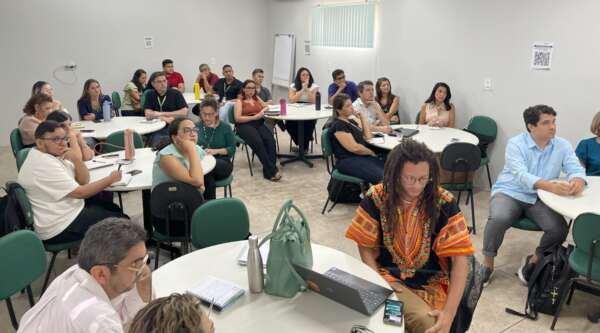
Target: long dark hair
{"points": [[37, 99], [298, 82], [379, 93], [136, 79], [86, 85], [448, 95], [338, 103], [37, 87], [414, 152]]}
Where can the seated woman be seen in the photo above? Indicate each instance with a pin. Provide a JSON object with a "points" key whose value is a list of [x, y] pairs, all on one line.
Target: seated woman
{"points": [[181, 160], [217, 139], [348, 135], [249, 113], [133, 94], [303, 90], [89, 104], [206, 79], [64, 118], [588, 150], [437, 110], [172, 314], [36, 110], [387, 100], [43, 87], [411, 231]]}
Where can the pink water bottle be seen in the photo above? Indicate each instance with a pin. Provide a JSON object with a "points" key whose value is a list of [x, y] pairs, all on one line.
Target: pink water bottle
{"points": [[282, 107], [129, 146]]}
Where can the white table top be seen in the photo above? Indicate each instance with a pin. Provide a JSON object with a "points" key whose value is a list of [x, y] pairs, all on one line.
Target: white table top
{"points": [[301, 111], [144, 161], [103, 129], [306, 312], [191, 100], [436, 138], [571, 206]]}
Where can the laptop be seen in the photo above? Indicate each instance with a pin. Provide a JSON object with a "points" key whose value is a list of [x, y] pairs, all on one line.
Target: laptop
{"points": [[345, 288], [406, 132]]}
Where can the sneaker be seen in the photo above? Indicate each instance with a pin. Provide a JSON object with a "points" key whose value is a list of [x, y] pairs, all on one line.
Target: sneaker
{"points": [[526, 269], [488, 273]]}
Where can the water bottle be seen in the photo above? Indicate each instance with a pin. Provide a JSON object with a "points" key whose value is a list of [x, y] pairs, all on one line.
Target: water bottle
{"points": [[318, 101], [106, 110], [282, 107], [255, 266], [129, 145], [197, 91]]}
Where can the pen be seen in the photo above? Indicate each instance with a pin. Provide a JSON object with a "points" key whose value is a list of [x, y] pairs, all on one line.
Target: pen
{"points": [[120, 165], [212, 302]]}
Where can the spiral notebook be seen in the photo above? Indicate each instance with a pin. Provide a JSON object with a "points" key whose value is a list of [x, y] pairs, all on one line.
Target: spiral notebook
{"points": [[217, 291]]}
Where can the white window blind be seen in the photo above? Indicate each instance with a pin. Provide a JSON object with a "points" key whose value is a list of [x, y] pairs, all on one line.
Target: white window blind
{"points": [[349, 25]]}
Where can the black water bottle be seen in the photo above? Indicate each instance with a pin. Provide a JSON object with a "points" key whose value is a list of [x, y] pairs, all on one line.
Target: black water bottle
{"points": [[318, 101]]}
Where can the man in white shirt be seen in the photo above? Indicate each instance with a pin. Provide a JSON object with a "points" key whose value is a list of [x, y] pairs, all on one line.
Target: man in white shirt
{"points": [[57, 181], [367, 105], [103, 292]]}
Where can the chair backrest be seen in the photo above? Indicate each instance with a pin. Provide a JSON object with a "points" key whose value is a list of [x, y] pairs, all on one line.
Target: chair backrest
{"points": [[231, 115], [327, 150], [116, 141], [143, 100], [23, 260], [116, 101], [175, 201], [21, 157], [485, 128], [25, 206], [220, 221], [16, 142], [417, 118], [586, 234], [460, 157]]}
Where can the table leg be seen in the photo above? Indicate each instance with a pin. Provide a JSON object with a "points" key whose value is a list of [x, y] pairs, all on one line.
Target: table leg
{"points": [[301, 156]]}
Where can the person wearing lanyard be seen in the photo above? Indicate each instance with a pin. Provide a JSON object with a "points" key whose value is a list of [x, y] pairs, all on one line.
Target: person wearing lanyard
{"points": [[163, 103], [228, 87]]}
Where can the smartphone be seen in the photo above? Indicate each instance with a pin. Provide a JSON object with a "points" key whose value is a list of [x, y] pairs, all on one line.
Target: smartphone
{"points": [[97, 120], [393, 312], [378, 135], [86, 130], [134, 172]]}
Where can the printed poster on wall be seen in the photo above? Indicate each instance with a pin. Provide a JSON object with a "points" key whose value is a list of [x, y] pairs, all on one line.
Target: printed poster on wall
{"points": [[541, 56]]}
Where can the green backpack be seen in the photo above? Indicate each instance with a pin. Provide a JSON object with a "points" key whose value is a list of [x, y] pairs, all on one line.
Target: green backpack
{"points": [[290, 243]]}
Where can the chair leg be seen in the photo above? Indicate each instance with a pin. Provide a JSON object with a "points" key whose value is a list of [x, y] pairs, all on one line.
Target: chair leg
{"points": [[560, 303], [224, 191], [11, 312], [249, 163], [472, 210], [68, 253], [30, 296], [157, 255], [570, 296], [230, 193], [276, 137], [326, 203], [487, 167], [459, 194], [120, 201], [54, 254], [337, 193]]}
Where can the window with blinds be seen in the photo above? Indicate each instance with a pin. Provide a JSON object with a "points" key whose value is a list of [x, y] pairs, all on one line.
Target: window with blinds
{"points": [[350, 25]]}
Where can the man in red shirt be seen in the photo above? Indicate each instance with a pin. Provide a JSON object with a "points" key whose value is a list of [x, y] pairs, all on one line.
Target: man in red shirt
{"points": [[174, 79]]}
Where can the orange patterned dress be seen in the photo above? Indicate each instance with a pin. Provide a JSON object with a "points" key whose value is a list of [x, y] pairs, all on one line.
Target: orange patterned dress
{"points": [[413, 253]]}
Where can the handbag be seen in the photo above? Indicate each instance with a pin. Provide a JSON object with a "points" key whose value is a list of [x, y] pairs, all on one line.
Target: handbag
{"points": [[289, 243]]}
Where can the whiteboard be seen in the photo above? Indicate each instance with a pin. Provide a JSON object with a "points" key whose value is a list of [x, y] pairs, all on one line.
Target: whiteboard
{"points": [[284, 59]]}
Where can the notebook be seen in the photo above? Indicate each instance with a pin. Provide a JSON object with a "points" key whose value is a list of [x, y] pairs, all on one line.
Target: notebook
{"points": [[243, 256], [219, 292], [97, 163], [125, 179]]}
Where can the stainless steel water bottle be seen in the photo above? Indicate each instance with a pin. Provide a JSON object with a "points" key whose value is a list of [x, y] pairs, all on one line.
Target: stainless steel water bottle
{"points": [[255, 266]]}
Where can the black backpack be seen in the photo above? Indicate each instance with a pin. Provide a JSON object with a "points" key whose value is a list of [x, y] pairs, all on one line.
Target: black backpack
{"points": [[12, 215], [349, 193], [547, 283]]}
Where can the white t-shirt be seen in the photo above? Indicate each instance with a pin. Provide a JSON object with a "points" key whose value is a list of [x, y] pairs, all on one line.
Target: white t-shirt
{"points": [[47, 181], [369, 111], [304, 97]]}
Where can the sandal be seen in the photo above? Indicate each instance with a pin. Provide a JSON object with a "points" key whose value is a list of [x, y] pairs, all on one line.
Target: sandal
{"points": [[276, 178]]}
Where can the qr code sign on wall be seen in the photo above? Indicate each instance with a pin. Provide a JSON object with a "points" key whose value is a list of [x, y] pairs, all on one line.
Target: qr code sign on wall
{"points": [[542, 56]]}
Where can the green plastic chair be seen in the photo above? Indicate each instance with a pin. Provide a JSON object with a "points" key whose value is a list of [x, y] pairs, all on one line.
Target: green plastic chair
{"points": [[116, 142], [23, 261], [116, 102], [417, 118], [486, 130], [16, 142], [143, 100], [226, 185], [339, 177], [525, 223], [220, 221], [21, 157], [239, 140], [584, 260], [55, 249]]}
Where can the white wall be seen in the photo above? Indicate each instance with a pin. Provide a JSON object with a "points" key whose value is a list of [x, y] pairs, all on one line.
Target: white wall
{"points": [[462, 42], [105, 39]]}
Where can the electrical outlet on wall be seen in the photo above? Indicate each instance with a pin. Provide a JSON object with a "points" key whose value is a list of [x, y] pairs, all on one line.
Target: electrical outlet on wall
{"points": [[487, 84]]}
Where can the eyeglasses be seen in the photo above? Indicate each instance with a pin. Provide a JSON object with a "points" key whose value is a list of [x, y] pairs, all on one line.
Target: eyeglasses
{"points": [[360, 329], [57, 139], [340, 77], [204, 114], [133, 267], [250, 88], [190, 130], [410, 180]]}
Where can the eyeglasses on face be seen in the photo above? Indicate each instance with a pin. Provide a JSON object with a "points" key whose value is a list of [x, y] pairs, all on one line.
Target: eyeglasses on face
{"points": [[250, 87], [340, 78], [57, 139], [190, 130], [410, 180]]}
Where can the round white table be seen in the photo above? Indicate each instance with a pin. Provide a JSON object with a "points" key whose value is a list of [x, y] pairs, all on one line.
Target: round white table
{"points": [[306, 312], [571, 206], [436, 138], [102, 130], [300, 112]]}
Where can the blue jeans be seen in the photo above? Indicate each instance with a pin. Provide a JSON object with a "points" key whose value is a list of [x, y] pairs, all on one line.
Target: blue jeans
{"points": [[369, 168]]}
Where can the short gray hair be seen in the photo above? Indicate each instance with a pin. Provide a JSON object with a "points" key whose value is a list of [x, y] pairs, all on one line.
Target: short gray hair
{"points": [[108, 241]]}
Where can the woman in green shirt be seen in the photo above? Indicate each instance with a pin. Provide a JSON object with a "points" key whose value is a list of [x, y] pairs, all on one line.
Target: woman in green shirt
{"points": [[216, 137]]}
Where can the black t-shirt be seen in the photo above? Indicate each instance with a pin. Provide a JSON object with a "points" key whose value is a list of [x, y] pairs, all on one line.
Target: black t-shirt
{"points": [[349, 127], [172, 101], [231, 91]]}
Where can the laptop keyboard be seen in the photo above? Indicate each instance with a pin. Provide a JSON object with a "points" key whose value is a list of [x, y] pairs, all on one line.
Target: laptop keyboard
{"points": [[371, 298]]}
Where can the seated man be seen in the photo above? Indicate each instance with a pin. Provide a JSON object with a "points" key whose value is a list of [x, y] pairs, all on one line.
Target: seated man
{"points": [[258, 76], [533, 160], [62, 117], [366, 104], [228, 87], [340, 85], [57, 181], [163, 103], [103, 292], [174, 79]]}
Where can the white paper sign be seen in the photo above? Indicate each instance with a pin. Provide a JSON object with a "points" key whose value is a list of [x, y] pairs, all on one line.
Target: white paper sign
{"points": [[541, 55]]}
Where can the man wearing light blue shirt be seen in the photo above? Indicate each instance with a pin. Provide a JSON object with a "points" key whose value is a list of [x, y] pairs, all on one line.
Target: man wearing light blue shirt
{"points": [[533, 160]]}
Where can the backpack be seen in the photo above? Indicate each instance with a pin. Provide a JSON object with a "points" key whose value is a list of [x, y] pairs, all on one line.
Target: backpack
{"points": [[12, 216], [289, 243], [547, 283], [349, 193]]}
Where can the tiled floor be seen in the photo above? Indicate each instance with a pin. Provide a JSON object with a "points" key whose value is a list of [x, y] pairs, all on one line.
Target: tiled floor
{"points": [[306, 187]]}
